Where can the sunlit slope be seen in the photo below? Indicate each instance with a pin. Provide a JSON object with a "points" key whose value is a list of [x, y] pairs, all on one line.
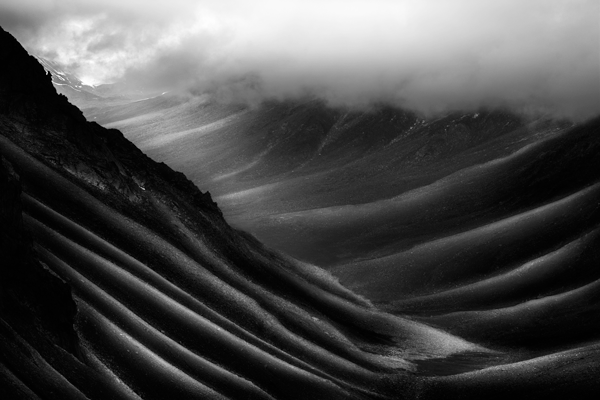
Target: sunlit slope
{"points": [[443, 219], [316, 182]]}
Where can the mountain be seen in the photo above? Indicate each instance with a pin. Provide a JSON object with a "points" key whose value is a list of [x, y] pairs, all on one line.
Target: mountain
{"points": [[319, 183], [86, 96], [67, 83], [484, 224], [122, 280]]}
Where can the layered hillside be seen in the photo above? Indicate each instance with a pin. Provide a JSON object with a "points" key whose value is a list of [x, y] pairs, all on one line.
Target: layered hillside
{"points": [[482, 224], [316, 182], [522, 274], [124, 281]]}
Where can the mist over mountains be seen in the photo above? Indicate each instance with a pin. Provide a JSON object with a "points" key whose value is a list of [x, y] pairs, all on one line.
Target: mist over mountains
{"points": [[349, 248], [429, 56]]}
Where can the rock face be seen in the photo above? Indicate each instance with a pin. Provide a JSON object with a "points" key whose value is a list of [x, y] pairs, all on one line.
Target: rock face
{"points": [[102, 157]]}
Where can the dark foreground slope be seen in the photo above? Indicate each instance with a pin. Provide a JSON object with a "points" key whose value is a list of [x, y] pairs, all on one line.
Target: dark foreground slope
{"points": [[121, 280]]}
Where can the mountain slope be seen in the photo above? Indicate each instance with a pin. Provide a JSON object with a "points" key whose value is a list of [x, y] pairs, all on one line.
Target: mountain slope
{"points": [[170, 300], [125, 281], [321, 183]]}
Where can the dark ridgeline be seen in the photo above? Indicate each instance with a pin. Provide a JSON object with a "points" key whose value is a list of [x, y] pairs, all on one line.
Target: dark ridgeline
{"points": [[120, 279]]}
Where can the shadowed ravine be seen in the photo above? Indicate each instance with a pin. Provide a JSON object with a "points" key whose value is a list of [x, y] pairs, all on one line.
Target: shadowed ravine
{"points": [[122, 280]]}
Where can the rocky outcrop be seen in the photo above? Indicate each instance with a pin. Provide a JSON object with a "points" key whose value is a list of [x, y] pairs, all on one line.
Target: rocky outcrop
{"points": [[29, 99]]}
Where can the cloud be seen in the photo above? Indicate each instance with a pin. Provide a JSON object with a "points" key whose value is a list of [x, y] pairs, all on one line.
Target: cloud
{"points": [[428, 55]]}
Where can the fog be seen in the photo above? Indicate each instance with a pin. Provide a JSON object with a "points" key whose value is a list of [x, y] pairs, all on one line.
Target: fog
{"points": [[428, 55]]}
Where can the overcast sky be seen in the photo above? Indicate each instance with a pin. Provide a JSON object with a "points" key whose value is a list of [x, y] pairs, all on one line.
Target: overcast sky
{"points": [[428, 55]]}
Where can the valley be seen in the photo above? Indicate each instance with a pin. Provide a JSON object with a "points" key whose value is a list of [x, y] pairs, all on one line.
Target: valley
{"points": [[340, 253]]}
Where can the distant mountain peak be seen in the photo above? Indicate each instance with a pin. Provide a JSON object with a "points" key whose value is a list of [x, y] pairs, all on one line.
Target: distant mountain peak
{"points": [[68, 83]]}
